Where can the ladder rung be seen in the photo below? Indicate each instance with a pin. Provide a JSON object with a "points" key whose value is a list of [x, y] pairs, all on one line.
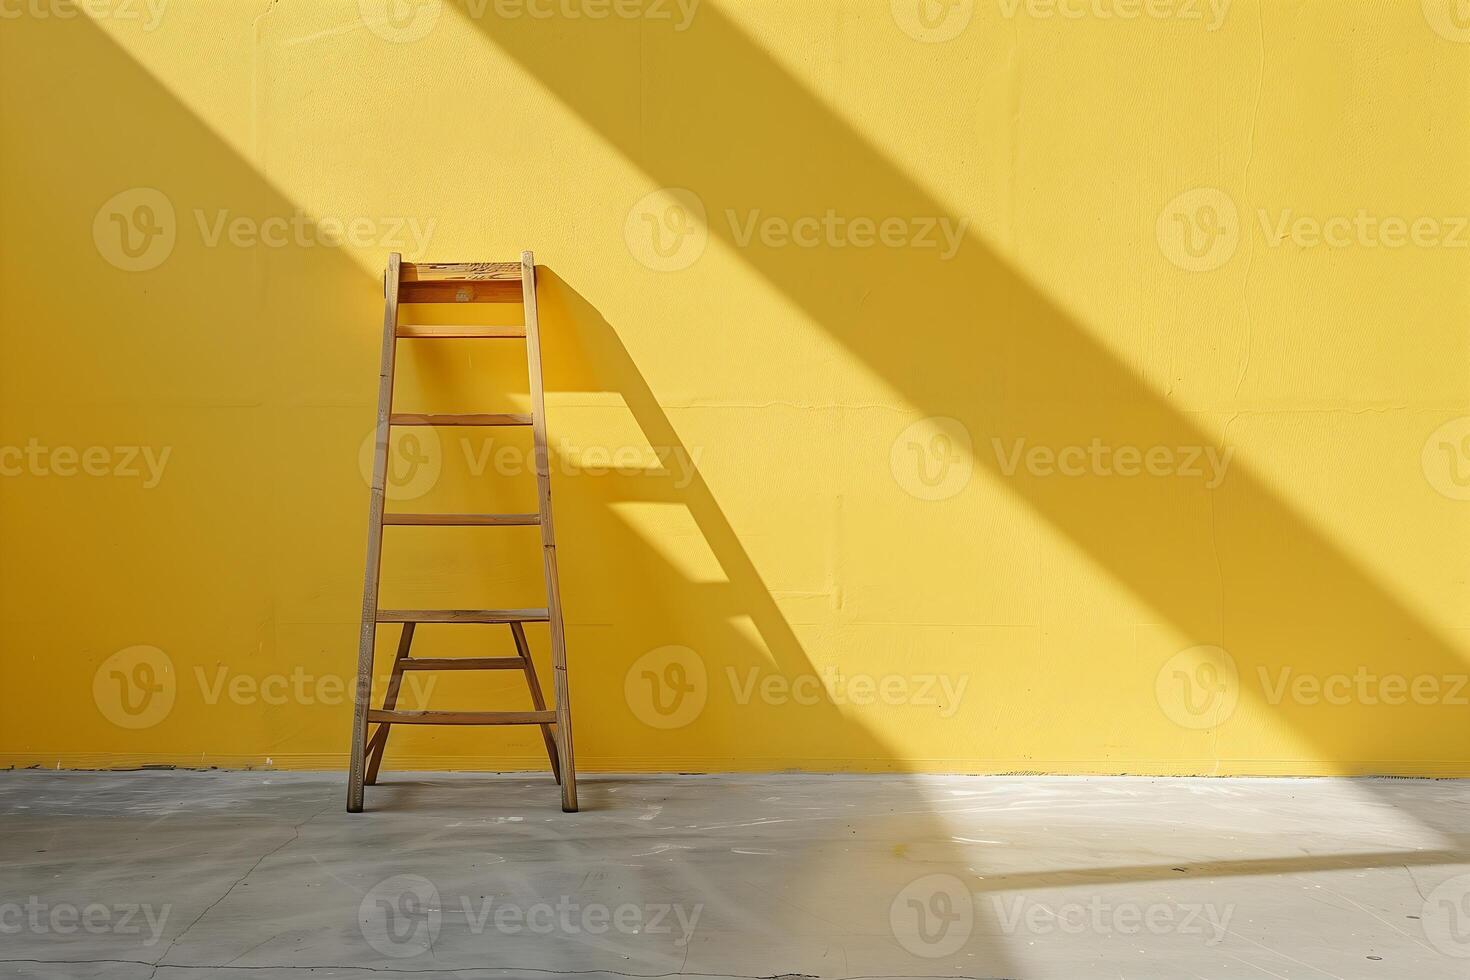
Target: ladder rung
{"points": [[461, 291], [462, 520], [462, 717], [463, 663], [462, 615], [425, 331], [503, 418]]}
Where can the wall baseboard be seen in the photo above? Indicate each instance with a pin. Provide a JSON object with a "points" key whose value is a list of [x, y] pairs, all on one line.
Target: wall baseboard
{"points": [[332, 761]]}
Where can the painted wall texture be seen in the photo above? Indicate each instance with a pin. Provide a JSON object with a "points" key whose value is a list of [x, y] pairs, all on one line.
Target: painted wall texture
{"points": [[971, 386]]}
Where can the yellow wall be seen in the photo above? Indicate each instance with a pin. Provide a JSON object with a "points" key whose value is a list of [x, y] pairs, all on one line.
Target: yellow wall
{"points": [[1218, 228]]}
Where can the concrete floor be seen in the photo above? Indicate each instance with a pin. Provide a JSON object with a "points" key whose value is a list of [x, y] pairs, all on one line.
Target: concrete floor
{"points": [[214, 874]]}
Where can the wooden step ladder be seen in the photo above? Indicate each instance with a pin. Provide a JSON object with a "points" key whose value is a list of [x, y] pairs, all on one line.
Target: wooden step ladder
{"points": [[464, 282]]}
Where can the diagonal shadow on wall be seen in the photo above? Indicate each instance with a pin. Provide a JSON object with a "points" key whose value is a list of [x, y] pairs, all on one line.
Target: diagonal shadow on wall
{"points": [[712, 111]]}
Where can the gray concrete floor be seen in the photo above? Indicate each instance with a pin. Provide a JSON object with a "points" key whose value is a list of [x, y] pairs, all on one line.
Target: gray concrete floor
{"points": [[220, 874]]}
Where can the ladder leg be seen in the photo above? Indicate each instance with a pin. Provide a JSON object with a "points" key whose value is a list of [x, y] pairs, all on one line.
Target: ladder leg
{"points": [[538, 701], [562, 694], [368, 636], [548, 537], [378, 744]]}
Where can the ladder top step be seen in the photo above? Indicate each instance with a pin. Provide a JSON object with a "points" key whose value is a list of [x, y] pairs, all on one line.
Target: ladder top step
{"points": [[450, 331], [415, 418], [462, 520], [462, 717], [459, 271], [463, 615]]}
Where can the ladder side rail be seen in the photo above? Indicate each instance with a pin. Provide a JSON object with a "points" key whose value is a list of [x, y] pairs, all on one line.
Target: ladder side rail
{"points": [[560, 686], [368, 636]]}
